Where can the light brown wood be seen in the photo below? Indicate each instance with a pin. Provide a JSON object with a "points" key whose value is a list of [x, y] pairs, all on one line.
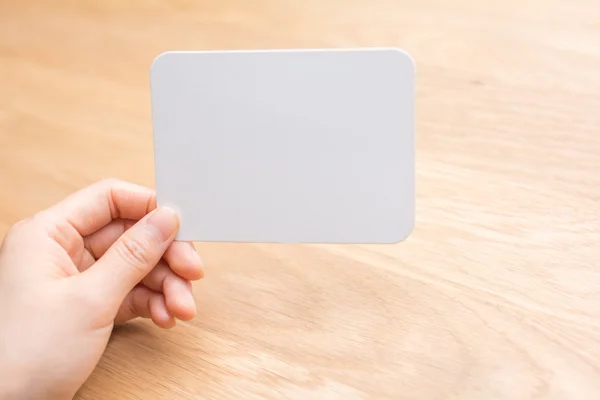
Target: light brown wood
{"points": [[495, 296]]}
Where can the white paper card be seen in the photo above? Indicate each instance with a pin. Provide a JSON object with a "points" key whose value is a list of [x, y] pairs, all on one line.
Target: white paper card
{"points": [[286, 146]]}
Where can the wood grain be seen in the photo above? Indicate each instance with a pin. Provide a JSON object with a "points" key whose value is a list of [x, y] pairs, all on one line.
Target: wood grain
{"points": [[495, 296]]}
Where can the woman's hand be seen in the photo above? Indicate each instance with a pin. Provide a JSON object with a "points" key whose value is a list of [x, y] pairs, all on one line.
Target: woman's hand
{"points": [[102, 256]]}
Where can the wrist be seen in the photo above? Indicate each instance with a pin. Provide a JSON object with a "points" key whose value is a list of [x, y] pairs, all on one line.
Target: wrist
{"points": [[21, 384]]}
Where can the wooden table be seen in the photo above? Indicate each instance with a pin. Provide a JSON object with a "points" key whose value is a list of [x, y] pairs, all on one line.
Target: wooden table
{"points": [[495, 296]]}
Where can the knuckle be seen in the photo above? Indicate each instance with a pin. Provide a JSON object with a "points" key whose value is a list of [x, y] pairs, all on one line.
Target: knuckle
{"points": [[134, 251], [33, 225], [109, 182], [20, 227], [15, 229], [12, 243]]}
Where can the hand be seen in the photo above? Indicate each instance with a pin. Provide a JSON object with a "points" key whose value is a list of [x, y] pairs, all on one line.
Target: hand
{"points": [[101, 257]]}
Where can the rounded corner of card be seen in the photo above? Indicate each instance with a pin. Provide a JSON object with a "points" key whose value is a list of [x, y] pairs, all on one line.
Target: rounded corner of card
{"points": [[403, 56], [159, 60], [403, 234]]}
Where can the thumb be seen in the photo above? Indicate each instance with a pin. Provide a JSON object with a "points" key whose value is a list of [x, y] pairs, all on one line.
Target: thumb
{"points": [[134, 254]]}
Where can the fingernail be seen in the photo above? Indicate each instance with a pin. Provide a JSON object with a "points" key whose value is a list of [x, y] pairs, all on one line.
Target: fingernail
{"points": [[195, 257], [187, 298], [164, 222]]}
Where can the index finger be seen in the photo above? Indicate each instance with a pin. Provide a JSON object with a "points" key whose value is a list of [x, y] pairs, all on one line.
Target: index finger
{"points": [[93, 207]]}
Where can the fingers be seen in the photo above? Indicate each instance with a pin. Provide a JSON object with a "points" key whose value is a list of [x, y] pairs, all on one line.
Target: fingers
{"points": [[145, 303], [177, 291], [180, 259], [181, 256], [100, 241], [159, 313], [154, 280], [133, 255], [179, 298], [136, 304], [95, 206], [184, 260]]}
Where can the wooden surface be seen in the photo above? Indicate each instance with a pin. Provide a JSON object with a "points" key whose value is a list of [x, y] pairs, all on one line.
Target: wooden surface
{"points": [[495, 296]]}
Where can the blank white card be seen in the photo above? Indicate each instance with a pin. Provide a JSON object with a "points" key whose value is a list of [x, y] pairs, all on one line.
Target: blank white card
{"points": [[288, 146]]}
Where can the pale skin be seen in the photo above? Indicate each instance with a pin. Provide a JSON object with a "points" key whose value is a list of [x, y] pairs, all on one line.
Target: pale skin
{"points": [[103, 256]]}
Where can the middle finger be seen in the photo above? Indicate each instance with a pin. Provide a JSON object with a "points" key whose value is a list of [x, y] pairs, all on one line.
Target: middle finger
{"points": [[177, 291]]}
